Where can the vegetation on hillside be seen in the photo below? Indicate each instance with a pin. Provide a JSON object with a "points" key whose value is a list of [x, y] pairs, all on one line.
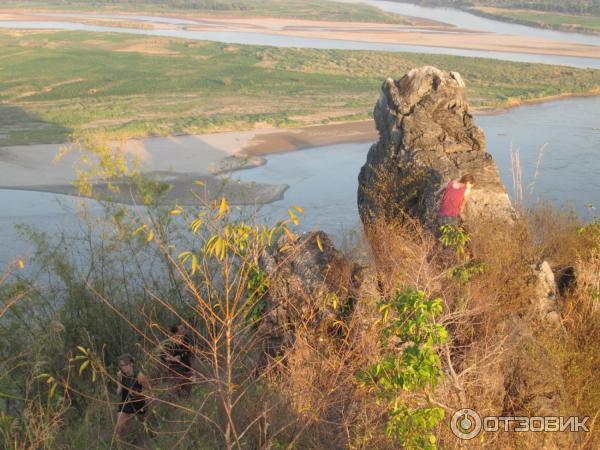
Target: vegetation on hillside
{"points": [[565, 22], [569, 15], [419, 343], [58, 83], [300, 9], [563, 6]]}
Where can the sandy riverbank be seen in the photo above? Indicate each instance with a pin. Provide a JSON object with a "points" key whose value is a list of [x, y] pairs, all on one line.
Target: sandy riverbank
{"points": [[419, 32], [438, 35], [178, 161], [181, 160], [274, 141]]}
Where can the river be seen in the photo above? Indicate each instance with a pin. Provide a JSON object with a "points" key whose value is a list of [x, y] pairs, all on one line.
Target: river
{"points": [[298, 42], [463, 19], [323, 181]]}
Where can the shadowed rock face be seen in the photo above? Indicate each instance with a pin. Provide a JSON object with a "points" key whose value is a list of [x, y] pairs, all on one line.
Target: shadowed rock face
{"points": [[426, 137], [312, 286]]}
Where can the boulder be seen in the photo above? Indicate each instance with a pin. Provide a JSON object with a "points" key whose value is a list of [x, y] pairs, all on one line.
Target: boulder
{"points": [[312, 285], [546, 299], [427, 137]]}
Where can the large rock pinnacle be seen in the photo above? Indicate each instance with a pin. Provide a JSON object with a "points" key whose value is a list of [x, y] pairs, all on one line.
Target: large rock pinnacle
{"points": [[426, 137]]}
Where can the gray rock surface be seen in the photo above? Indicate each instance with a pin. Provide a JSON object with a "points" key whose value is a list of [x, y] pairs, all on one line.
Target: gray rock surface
{"points": [[546, 299], [426, 137], [312, 286]]}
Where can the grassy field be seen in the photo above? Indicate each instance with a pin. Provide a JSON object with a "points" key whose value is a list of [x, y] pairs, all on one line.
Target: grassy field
{"points": [[301, 9], [566, 22], [53, 84], [580, 7]]}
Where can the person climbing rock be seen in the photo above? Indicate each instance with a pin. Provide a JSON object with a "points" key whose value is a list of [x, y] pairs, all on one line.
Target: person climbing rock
{"points": [[133, 388], [454, 197]]}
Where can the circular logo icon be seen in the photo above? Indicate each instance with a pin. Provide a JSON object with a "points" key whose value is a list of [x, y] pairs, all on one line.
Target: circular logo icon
{"points": [[465, 424]]}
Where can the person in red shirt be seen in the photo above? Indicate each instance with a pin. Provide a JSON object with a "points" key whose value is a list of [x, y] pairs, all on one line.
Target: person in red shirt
{"points": [[454, 197]]}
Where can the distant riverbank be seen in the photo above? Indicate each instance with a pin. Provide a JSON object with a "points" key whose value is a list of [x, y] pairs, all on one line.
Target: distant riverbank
{"points": [[539, 19], [420, 33], [291, 139], [130, 86], [210, 158]]}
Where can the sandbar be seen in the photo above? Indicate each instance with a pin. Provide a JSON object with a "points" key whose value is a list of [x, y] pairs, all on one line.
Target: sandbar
{"points": [[177, 160], [418, 32]]}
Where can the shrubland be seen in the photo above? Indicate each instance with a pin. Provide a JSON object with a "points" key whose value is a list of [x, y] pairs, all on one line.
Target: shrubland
{"points": [[315, 10], [79, 82], [569, 15], [564, 22], [566, 6], [425, 334]]}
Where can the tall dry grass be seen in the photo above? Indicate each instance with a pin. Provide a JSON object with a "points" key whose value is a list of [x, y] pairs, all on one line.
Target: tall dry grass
{"points": [[500, 357]]}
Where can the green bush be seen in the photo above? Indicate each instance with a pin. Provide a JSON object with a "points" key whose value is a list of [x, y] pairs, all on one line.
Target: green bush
{"points": [[409, 363]]}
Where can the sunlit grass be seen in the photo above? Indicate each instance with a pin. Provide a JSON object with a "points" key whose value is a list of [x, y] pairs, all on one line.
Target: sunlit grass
{"points": [[300, 9], [546, 19], [56, 83]]}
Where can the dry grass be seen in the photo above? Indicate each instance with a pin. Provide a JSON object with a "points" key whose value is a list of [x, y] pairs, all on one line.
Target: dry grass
{"points": [[500, 357]]}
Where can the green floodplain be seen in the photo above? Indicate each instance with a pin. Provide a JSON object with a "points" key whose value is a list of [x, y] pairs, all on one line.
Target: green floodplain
{"points": [[60, 83], [412, 327], [581, 16], [558, 21], [298, 9]]}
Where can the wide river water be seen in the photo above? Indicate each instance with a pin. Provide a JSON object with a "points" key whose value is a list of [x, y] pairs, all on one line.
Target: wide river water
{"points": [[447, 15], [469, 21], [323, 181]]}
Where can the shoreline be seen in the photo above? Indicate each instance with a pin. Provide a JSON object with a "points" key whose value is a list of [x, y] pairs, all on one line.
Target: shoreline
{"points": [[406, 20], [286, 140], [211, 158], [236, 145], [528, 23], [417, 33], [223, 15]]}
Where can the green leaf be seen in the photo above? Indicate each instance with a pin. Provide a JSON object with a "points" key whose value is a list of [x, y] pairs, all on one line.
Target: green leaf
{"points": [[83, 366], [194, 264], [319, 243], [52, 390]]}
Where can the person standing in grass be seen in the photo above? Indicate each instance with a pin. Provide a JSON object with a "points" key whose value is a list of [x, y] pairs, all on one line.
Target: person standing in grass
{"points": [[454, 197], [133, 388], [177, 356]]}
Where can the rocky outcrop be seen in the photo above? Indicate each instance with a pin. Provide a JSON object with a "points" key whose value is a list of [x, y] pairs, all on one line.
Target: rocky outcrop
{"points": [[531, 377], [312, 285], [546, 298], [524, 376], [426, 137]]}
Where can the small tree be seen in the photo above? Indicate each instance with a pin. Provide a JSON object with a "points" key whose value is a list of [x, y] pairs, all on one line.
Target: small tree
{"points": [[409, 365], [454, 236]]}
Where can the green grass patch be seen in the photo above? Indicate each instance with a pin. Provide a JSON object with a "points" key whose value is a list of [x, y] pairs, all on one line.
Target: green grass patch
{"points": [[53, 84], [299, 9], [562, 6], [568, 22]]}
